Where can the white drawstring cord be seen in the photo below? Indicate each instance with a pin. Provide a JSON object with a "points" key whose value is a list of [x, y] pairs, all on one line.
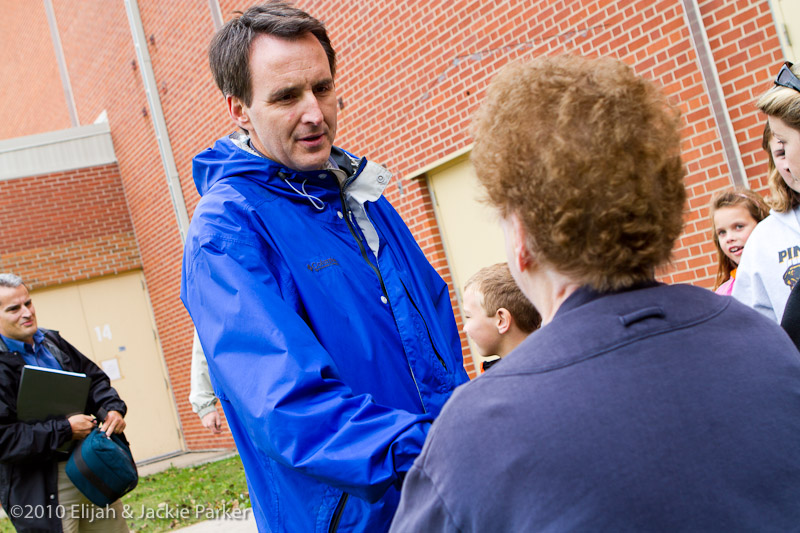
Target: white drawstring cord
{"points": [[318, 204]]}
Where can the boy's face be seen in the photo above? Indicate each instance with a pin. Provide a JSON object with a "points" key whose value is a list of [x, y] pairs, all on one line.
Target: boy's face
{"points": [[479, 327]]}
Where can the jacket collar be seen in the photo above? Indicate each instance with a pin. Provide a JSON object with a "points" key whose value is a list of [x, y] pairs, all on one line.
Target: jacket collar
{"points": [[233, 156], [586, 294]]}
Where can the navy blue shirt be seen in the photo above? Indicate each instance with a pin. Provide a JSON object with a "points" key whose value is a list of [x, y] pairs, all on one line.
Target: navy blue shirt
{"points": [[36, 354]]}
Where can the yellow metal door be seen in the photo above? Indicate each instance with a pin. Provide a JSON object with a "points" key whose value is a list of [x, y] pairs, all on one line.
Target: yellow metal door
{"points": [[472, 235], [110, 321]]}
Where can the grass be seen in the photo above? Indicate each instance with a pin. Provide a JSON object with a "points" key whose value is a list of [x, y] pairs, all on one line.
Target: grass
{"points": [[178, 497]]}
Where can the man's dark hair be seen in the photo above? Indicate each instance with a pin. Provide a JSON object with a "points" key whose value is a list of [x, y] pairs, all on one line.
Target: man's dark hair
{"points": [[229, 52]]}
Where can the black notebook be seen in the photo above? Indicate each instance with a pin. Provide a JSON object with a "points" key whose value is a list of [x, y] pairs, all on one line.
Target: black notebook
{"points": [[46, 393]]}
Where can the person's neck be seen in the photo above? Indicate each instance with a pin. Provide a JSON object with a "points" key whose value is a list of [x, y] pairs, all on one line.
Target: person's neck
{"points": [[511, 340], [26, 341], [547, 290]]}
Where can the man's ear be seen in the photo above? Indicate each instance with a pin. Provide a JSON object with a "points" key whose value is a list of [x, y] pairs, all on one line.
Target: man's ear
{"points": [[238, 112], [503, 320]]}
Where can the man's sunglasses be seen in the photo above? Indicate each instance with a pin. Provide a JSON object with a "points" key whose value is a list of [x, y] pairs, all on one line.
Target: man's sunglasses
{"points": [[786, 78]]}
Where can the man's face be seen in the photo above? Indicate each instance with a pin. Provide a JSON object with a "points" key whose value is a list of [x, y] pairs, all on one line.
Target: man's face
{"points": [[17, 315], [292, 117]]}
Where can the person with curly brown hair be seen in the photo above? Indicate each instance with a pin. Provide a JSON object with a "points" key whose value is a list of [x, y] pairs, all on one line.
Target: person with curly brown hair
{"points": [[637, 405]]}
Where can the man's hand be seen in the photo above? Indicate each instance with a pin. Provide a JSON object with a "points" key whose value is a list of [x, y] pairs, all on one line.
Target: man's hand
{"points": [[213, 422], [114, 423], [81, 426]]}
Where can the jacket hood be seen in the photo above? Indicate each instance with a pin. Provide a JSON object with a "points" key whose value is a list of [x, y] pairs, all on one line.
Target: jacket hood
{"points": [[231, 156]]}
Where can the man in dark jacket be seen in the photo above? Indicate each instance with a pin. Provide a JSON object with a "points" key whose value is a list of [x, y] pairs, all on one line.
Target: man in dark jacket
{"points": [[34, 490]]}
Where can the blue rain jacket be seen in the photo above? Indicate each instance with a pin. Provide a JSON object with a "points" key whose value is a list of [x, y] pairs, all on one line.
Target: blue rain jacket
{"points": [[330, 363]]}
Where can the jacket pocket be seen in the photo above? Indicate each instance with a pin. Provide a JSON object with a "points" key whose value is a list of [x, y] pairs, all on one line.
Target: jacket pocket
{"points": [[423, 330], [331, 510], [337, 513]]}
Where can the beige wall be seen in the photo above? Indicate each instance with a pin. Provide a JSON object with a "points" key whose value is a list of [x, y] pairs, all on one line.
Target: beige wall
{"points": [[110, 321]]}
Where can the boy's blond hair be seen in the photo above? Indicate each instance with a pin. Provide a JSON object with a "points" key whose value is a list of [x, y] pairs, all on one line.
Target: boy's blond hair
{"points": [[498, 289]]}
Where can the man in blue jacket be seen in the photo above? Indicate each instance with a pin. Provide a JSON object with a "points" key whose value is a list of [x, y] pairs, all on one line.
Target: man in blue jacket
{"points": [[330, 339]]}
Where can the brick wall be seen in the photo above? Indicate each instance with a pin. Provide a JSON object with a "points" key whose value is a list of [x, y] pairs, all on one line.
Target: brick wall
{"points": [[66, 226], [31, 96], [410, 76], [430, 63], [428, 66], [110, 79]]}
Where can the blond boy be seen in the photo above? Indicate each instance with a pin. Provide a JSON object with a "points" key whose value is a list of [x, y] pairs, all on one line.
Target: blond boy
{"points": [[497, 316]]}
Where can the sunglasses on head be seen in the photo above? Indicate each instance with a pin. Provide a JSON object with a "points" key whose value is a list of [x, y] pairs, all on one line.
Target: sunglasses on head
{"points": [[786, 78]]}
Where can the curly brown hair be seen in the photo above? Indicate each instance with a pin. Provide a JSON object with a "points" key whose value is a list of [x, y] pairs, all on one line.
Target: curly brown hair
{"points": [[755, 205], [498, 289], [587, 155]]}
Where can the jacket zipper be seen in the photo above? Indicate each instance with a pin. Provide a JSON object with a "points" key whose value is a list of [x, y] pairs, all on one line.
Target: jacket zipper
{"points": [[364, 256], [359, 240], [427, 329], [337, 513]]}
